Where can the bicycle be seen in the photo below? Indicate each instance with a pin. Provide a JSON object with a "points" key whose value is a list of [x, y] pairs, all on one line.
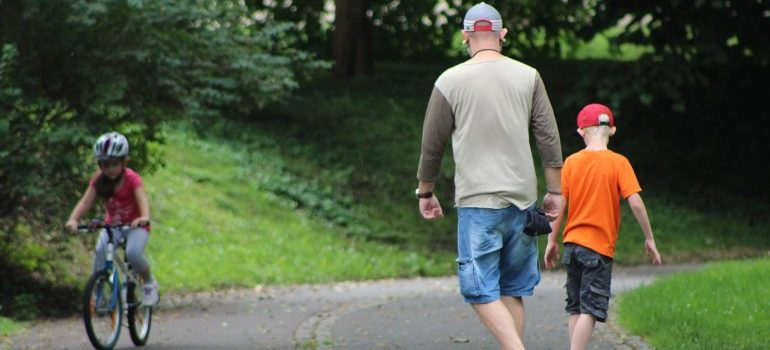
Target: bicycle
{"points": [[111, 290]]}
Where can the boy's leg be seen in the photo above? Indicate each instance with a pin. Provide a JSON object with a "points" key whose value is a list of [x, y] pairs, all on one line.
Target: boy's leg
{"points": [[135, 245], [100, 256], [574, 278], [136, 241], [499, 321], [582, 331], [588, 292], [515, 307]]}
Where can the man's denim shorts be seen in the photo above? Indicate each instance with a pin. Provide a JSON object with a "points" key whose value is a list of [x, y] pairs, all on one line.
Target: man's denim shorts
{"points": [[495, 257], [589, 275]]}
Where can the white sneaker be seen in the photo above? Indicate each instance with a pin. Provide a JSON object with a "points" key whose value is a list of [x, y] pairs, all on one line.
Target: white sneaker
{"points": [[150, 297]]}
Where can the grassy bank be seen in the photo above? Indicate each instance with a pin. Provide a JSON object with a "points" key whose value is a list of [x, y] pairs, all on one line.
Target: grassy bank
{"points": [[218, 222], [7, 326], [724, 306]]}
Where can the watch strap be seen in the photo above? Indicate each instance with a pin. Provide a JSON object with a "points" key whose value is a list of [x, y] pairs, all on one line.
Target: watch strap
{"points": [[419, 194]]}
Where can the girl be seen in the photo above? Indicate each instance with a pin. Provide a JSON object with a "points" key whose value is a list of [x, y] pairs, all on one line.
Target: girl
{"points": [[125, 200]]}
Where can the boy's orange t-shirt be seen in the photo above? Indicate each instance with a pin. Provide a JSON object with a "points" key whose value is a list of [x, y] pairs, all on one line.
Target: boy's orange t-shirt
{"points": [[593, 183]]}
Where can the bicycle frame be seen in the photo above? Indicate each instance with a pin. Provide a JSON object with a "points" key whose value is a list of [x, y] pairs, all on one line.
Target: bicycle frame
{"points": [[98, 311]]}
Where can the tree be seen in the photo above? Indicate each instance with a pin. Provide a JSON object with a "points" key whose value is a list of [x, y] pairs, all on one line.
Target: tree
{"points": [[699, 91], [415, 29], [352, 39]]}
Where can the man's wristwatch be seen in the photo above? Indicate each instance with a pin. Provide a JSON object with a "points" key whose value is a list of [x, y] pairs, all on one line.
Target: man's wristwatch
{"points": [[423, 194]]}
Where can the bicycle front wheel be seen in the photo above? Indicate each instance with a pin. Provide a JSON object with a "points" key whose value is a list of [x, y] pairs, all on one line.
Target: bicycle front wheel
{"points": [[139, 315], [102, 310]]}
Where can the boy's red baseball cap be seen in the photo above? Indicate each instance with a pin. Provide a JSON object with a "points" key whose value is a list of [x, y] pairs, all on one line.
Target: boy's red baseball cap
{"points": [[595, 114]]}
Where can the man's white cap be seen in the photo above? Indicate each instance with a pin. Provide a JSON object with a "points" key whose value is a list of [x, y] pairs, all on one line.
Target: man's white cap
{"points": [[482, 12]]}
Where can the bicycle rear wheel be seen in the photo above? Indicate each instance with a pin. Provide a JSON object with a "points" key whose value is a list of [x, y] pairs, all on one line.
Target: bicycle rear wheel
{"points": [[139, 315], [102, 311]]}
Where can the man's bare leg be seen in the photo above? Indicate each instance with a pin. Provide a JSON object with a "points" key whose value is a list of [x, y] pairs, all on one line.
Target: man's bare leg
{"points": [[515, 307], [499, 321]]}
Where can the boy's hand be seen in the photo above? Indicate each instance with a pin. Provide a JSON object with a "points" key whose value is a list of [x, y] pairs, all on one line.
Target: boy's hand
{"points": [[140, 221], [551, 255], [71, 225], [651, 251]]}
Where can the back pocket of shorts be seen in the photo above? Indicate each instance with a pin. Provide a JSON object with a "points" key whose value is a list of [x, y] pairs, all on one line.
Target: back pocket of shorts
{"points": [[466, 273]]}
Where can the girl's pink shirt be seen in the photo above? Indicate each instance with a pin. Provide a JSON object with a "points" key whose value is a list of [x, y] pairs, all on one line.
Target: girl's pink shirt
{"points": [[123, 207]]}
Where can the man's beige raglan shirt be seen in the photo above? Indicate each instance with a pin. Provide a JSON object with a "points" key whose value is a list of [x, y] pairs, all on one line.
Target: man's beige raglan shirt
{"points": [[488, 108]]}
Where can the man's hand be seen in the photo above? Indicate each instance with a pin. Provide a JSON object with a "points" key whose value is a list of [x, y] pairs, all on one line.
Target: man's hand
{"points": [[551, 255], [430, 208], [552, 205]]}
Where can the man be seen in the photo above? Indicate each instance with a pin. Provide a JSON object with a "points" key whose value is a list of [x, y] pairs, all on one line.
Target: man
{"points": [[487, 105]]}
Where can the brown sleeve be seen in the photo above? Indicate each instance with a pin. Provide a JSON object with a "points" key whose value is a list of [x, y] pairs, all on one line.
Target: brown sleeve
{"points": [[436, 130], [544, 127]]}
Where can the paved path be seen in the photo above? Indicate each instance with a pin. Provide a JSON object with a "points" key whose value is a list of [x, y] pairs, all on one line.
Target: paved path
{"points": [[425, 313]]}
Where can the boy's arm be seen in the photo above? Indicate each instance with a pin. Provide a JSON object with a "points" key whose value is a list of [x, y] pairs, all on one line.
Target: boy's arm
{"points": [[83, 206], [640, 212], [144, 207]]}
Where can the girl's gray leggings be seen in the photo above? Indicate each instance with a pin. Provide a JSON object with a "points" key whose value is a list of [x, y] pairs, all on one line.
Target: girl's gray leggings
{"points": [[137, 240]]}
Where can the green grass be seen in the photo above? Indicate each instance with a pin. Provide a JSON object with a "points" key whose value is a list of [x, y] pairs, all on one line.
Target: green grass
{"points": [[216, 223], [724, 306], [685, 234], [8, 327]]}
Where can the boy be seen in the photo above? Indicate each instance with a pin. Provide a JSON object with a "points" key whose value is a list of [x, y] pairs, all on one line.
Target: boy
{"points": [[593, 181]]}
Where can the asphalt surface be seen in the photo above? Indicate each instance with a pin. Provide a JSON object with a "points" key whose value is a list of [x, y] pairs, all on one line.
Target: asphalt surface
{"points": [[424, 313]]}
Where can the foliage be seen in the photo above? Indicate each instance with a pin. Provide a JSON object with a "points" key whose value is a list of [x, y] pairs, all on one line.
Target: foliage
{"points": [[7, 327], [706, 31], [426, 28], [72, 70], [723, 306], [697, 91], [32, 134], [702, 32]]}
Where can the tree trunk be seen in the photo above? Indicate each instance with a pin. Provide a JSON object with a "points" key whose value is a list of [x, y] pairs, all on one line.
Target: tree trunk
{"points": [[10, 20], [352, 44]]}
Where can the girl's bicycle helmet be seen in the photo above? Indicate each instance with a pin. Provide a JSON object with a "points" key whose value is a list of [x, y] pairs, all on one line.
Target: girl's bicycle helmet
{"points": [[110, 145]]}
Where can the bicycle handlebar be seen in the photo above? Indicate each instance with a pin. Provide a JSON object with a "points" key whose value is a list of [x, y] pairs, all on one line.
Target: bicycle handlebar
{"points": [[97, 224]]}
